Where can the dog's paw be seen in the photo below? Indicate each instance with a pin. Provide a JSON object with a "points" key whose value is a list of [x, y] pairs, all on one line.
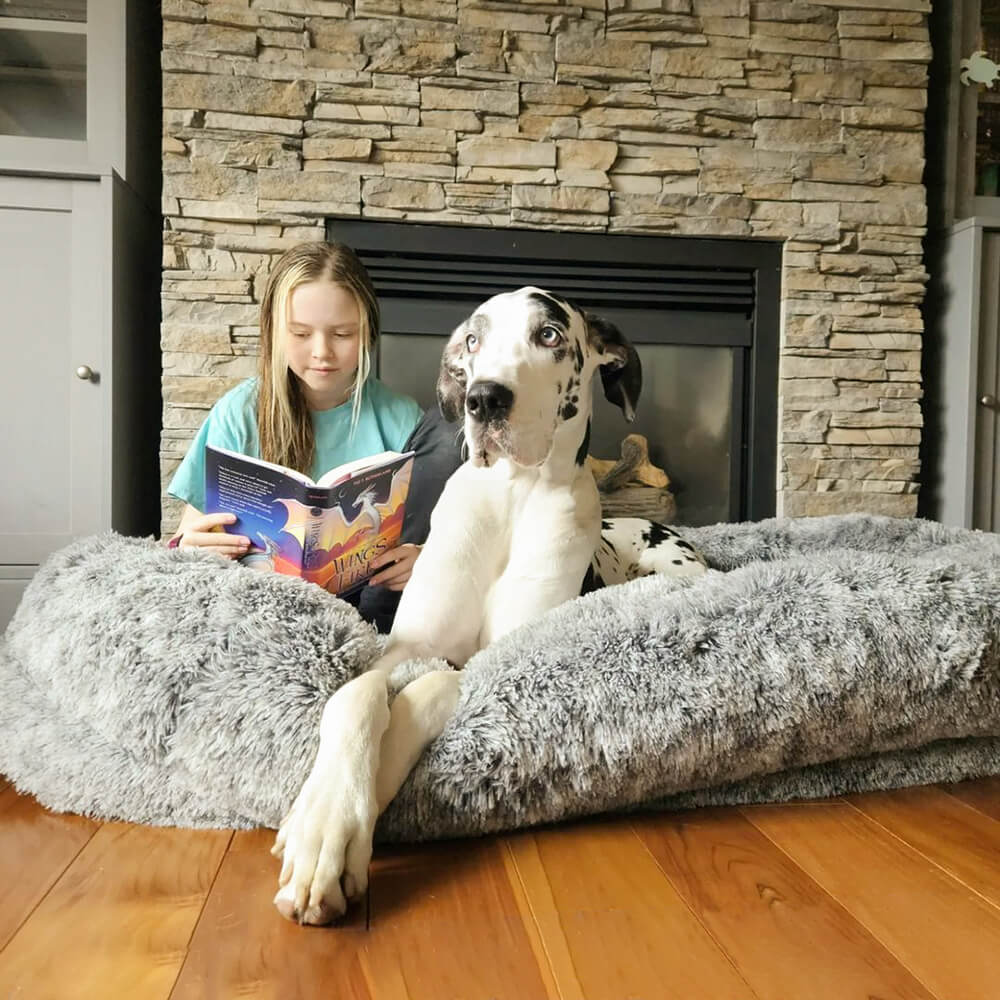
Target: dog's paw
{"points": [[326, 844]]}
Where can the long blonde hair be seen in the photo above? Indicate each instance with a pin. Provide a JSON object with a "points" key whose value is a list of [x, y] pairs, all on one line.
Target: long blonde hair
{"points": [[283, 419]]}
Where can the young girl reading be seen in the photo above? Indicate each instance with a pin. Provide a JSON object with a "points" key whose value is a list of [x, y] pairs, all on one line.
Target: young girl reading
{"points": [[314, 404]]}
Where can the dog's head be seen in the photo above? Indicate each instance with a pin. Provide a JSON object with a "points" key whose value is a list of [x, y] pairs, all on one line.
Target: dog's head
{"points": [[520, 367]]}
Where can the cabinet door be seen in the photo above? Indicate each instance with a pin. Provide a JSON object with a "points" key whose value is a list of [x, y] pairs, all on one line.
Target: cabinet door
{"points": [[53, 286]]}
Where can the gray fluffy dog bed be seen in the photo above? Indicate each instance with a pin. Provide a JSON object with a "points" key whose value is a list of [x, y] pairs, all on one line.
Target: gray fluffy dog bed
{"points": [[822, 655]]}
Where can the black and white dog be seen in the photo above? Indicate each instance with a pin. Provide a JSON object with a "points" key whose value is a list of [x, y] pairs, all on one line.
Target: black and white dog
{"points": [[511, 537]]}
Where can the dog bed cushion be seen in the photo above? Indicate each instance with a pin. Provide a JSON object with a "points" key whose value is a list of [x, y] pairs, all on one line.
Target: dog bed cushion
{"points": [[817, 656]]}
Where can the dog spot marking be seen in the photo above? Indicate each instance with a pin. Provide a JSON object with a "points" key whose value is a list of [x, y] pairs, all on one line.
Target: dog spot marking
{"points": [[581, 452], [552, 311]]}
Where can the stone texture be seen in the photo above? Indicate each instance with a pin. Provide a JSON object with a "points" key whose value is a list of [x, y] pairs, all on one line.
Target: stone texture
{"points": [[236, 95], [403, 194], [560, 199], [506, 153], [298, 186]]}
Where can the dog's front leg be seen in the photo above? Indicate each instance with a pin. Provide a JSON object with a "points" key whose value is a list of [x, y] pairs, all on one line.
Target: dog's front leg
{"points": [[419, 713], [365, 753], [326, 839]]}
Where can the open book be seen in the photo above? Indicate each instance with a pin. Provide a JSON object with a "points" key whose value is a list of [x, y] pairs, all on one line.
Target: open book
{"points": [[327, 531]]}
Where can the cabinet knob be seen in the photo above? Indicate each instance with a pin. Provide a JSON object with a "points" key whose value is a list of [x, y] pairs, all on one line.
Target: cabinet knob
{"points": [[988, 401], [86, 373]]}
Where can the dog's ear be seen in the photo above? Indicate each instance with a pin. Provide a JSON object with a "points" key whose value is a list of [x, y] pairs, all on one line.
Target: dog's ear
{"points": [[451, 383], [621, 374]]}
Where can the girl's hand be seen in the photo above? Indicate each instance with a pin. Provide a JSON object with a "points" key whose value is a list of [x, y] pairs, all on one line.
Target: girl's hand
{"points": [[204, 531], [400, 562]]}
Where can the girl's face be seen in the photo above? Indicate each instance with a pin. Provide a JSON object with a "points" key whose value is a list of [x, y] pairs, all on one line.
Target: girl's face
{"points": [[322, 341]]}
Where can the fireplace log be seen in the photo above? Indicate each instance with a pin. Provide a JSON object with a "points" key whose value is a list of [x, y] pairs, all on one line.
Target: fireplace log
{"points": [[632, 486], [633, 466], [640, 501]]}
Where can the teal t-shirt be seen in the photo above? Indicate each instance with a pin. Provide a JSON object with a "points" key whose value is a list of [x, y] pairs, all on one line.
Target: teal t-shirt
{"points": [[386, 421]]}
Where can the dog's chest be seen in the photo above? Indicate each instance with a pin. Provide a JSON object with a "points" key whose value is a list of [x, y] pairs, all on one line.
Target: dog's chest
{"points": [[542, 546], [527, 517]]}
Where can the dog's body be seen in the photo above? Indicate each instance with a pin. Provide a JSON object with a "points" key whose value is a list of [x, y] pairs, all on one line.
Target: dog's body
{"points": [[512, 536], [631, 547]]}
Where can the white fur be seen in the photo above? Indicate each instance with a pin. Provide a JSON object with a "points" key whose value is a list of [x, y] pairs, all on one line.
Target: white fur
{"points": [[511, 537]]}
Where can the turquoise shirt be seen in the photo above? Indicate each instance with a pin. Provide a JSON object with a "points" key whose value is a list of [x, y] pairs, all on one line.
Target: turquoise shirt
{"points": [[386, 421]]}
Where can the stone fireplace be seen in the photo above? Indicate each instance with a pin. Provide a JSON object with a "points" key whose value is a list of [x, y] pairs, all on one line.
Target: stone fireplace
{"points": [[795, 123]]}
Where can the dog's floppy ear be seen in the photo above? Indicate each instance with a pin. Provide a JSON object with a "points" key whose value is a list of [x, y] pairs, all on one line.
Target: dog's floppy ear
{"points": [[621, 375], [451, 383]]}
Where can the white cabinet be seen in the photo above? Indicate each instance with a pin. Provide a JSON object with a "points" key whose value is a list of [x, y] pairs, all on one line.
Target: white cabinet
{"points": [[53, 286], [79, 279], [79, 368]]}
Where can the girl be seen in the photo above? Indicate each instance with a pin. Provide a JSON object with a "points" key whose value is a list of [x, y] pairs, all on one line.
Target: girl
{"points": [[314, 404]]}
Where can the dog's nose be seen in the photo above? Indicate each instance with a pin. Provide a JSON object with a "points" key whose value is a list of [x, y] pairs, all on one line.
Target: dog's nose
{"points": [[488, 401]]}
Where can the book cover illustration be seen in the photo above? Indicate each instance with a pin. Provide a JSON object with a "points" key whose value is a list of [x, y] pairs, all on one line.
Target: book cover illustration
{"points": [[328, 534]]}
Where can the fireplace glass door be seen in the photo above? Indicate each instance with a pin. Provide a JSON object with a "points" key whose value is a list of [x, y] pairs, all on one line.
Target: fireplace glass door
{"points": [[708, 403]]}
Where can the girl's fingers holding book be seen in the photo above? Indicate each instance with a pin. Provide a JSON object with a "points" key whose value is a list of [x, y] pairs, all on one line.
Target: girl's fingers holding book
{"points": [[212, 522], [407, 552], [400, 565], [231, 545]]}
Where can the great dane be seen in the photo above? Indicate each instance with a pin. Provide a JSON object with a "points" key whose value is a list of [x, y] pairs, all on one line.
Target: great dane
{"points": [[512, 536]]}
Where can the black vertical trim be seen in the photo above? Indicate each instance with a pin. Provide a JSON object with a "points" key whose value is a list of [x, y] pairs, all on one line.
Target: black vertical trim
{"points": [[739, 450], [762, 409]]}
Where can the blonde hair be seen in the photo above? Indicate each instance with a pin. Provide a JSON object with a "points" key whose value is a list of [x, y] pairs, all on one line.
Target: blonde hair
{"points": [[283, 419]]}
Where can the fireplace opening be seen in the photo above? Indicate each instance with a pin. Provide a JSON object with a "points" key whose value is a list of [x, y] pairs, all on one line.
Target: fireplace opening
{"points": [[702, 313]]}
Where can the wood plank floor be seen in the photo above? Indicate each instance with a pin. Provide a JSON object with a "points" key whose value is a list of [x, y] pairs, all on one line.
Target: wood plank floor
{"points": [[894, 896]]}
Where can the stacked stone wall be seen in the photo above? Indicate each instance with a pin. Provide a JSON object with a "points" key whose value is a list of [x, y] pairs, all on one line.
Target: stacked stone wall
{"points": [[799, 122]]}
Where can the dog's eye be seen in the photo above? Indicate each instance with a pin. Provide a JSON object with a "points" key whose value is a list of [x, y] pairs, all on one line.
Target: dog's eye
{"points": [[472, 343], [550, 336]]}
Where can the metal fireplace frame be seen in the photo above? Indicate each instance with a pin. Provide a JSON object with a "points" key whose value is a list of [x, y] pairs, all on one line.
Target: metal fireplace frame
{"points": [[718, 292]]}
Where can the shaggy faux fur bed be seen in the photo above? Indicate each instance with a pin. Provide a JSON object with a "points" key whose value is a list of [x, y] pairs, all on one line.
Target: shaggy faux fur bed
{"points": [[819, 656]]}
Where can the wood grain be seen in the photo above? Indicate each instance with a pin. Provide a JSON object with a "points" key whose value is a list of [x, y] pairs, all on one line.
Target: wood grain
{"points": [[36, 847], [963, 841], [538, 907], [601, 900], [948, 937], [787, 937], [243, 948], [117, 923], [889, 895], [983, 794], [445, 922]]}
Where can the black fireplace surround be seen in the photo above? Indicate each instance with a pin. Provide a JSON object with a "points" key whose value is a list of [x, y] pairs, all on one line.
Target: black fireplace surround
{"points": [[703, 313]]}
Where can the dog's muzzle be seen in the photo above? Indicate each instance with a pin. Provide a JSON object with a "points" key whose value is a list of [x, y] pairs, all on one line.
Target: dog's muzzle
{"points": [[488, 402]]}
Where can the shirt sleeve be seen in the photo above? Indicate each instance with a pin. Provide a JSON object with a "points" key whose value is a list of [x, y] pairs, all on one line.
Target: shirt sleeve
{"points": [[226, 426]]}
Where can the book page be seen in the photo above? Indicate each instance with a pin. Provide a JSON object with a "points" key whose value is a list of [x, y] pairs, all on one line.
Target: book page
{"points": [[273, 466], [345, 471], [272, 508]]}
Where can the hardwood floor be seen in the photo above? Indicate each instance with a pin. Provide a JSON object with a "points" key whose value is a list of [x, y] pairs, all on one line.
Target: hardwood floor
{"points": [[894, 896]]}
